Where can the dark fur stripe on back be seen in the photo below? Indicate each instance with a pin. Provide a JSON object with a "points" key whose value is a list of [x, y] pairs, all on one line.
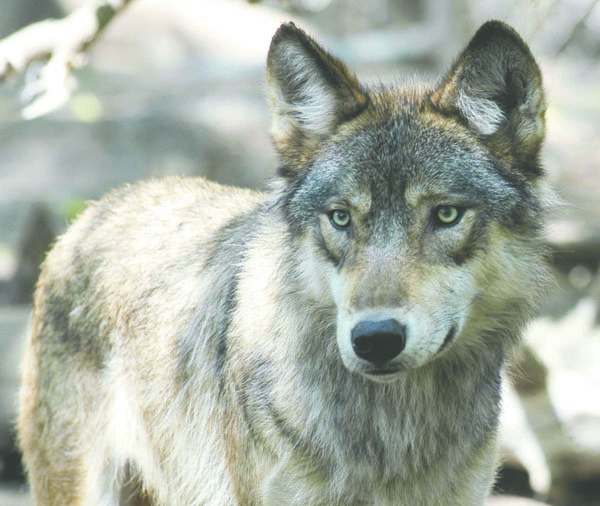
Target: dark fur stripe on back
{"points": [[209, 327]]}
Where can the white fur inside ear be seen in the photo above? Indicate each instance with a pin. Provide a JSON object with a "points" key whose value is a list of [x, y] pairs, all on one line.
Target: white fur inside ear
{"points": [[483, 114], [314, 104], [317, 111]]}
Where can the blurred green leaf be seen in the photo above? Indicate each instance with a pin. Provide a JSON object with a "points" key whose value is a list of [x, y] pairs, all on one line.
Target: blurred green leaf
{"points": [[70, 209]]}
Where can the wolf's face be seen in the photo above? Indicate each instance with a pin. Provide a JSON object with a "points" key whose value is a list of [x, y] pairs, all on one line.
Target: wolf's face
{"points": [[413, 208]]}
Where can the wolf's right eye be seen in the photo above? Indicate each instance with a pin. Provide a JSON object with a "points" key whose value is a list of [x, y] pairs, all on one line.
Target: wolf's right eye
{"points": [[339, 218]]}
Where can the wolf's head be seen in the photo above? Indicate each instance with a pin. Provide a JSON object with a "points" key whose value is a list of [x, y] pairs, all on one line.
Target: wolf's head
{"points": [[417, 211]]}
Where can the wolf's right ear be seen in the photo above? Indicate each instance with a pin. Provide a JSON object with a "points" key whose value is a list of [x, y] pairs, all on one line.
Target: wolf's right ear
{"points": [[310, 92]]}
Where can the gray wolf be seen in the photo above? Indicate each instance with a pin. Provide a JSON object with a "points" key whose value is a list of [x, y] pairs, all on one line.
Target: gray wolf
{"points": [[338, 340]]}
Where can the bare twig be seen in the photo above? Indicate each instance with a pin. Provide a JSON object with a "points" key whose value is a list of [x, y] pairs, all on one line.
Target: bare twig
{"points": [[61, 43]]}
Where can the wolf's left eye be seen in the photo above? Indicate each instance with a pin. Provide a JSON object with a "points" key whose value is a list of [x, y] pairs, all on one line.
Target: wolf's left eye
{"points": [[339, 218], [448, 215]]}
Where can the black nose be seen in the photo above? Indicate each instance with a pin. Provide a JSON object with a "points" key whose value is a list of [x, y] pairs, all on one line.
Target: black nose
{"points": [[378, 341]]}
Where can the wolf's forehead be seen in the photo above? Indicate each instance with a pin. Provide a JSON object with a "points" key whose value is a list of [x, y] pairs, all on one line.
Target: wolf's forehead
{"points": [[403, 155]]}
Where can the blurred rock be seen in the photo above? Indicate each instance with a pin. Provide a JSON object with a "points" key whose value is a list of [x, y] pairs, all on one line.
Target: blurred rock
{"points": [[552, 428]]}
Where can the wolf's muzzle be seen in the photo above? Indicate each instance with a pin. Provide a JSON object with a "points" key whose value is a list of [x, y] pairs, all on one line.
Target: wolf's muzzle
{"points": [[378, 342]]}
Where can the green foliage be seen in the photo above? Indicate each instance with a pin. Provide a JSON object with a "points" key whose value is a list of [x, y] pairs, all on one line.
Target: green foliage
{"points": [[71, 208]]}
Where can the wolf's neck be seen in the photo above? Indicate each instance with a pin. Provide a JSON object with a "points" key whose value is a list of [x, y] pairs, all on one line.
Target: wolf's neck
{"points": [[393, 429]]}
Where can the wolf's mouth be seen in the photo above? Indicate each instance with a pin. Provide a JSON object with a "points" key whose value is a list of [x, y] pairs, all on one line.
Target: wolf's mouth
{"points": [[383, 372]]}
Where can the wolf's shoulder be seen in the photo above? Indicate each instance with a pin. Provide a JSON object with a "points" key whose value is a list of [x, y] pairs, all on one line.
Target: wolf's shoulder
{"points": [[171, 220]]}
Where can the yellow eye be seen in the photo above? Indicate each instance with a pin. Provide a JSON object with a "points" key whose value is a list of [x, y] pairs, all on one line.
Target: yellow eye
{"points": [[448, 215], [340, 218]]}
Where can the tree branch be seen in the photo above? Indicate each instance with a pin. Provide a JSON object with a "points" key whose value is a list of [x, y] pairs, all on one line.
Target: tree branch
{"points": [[61, 43]]}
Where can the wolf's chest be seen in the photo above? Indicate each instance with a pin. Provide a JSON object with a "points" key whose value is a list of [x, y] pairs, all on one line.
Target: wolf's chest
{"points": [[362, 443]]}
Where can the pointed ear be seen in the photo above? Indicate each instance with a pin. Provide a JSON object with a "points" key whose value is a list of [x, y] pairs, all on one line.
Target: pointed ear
{"points": [[310, 92], [495, 86]]}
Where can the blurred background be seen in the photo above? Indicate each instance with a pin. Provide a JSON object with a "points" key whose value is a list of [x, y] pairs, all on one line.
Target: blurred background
{"points": [[176, 87]]}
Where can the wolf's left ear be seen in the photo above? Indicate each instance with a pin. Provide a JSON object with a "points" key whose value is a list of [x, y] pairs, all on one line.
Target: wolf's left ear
{"points": [[311, 93], [496, 87]]}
